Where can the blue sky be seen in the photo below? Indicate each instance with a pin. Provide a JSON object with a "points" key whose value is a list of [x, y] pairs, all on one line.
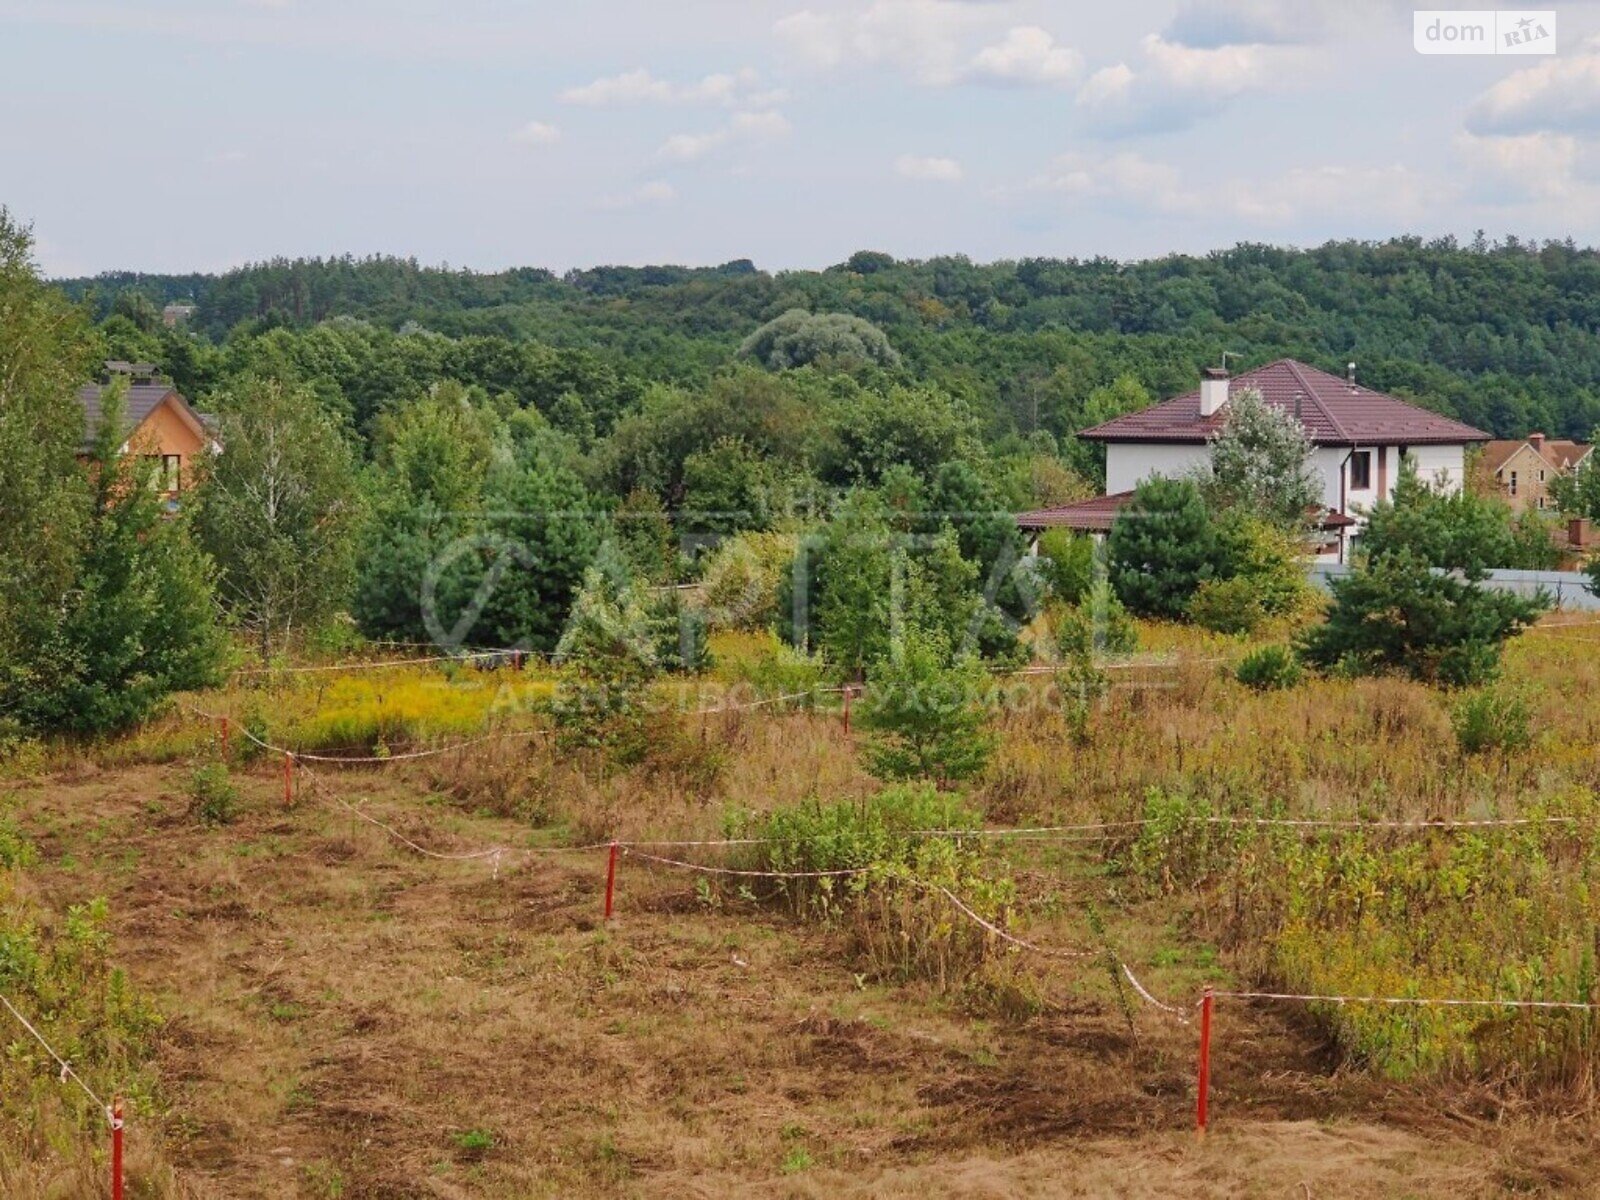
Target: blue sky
{"points": [[200, 134]]}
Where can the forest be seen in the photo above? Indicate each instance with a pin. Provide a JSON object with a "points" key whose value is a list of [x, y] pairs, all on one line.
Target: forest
{"points": [[1501, 334]]}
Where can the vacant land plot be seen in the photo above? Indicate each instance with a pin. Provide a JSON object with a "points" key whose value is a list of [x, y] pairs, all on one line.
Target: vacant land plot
{"points": [[346, 1016]]}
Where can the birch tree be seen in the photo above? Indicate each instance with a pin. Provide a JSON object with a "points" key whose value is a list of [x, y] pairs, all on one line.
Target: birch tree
{"points": [[278, 510]]}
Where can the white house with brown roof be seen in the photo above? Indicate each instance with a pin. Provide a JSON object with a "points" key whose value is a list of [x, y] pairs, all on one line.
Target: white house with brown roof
{"points": [[1521, 470], [1359, 438]]}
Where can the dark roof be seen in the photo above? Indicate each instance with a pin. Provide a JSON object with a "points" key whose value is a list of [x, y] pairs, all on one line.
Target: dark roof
{"points": [[138, 402], [1333, 412], [1097, 515]]}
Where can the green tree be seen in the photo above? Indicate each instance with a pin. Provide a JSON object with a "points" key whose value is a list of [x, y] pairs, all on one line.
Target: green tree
{"points": [[1577, 493], [532, 555], [1260, 462], [278, 509], [425, 488], [142, 620], [608, 652], [925, 709], [46, 351], [727, 489], [1453, 529], [798, 338], [1162, 547], [1398, 613]]}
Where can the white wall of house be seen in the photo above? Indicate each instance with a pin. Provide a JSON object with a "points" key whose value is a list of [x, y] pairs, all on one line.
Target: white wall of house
{"points": [[1128, 464], [1452, 460]]}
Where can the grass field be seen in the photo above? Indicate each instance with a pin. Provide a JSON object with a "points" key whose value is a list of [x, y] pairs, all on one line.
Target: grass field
{"points": [[341, 1015]]}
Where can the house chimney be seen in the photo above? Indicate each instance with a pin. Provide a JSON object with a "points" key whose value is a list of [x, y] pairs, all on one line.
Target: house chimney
{"points": [[1213, 391], [1350, 375], [1536, 440]]}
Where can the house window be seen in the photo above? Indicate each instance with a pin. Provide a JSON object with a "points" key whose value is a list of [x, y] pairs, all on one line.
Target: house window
{"points": [[1541, 501], [1361, 471], [1541, 475], [1513, 483], [165, 471]]}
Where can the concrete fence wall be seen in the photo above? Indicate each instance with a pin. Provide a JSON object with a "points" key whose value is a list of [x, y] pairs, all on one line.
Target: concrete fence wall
{"points": [[1569, 589]]}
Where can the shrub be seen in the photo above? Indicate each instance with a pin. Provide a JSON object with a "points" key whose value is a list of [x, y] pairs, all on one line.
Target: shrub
{"points": [[927, 713], [1492, 720], [213, 800], [1268, 558], [899, 919], [1230, 606], [1269, 668], [1066, 561], [743, 579], [1098, 625]]}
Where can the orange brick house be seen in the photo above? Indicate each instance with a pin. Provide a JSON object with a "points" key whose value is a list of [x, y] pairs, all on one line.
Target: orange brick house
{"points": [[162, 430], [1521, 471]]}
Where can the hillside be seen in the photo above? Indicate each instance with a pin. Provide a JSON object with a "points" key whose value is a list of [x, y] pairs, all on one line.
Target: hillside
{"points": [[1503, 335]]}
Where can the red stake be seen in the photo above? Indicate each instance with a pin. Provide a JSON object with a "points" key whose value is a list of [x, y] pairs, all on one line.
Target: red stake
{"points": [[1202, 1116], [224, 737], [116, 1148], [288, 780], [611, 878]]}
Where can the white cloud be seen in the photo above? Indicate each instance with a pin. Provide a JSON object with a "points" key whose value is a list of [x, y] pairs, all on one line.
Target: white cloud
{"points": [[1528, 166], [1176, 85], [225, 158], [928, 169], [745, 127], [1558, 93], [656, 191], [937, 43], [1027, 55], [537, 133], [1128, 181], [641, 87]]}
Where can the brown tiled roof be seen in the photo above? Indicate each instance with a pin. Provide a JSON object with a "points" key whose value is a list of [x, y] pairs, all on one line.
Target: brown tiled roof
{"points": [[1086, 516], [139, 401], [1333, 412], [1097, 515]]}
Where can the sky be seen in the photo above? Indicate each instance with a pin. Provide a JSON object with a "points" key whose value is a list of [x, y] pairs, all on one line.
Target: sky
{"points": [[177, 135]]}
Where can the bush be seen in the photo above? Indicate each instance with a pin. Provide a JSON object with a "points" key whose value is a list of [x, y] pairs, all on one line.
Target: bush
{"points": [[899, 919], [1269, 559], [1269, 668], [1066, 562], [213, 800], [1492, 720], [1099, 625], [1229, 606], [927, 712]]}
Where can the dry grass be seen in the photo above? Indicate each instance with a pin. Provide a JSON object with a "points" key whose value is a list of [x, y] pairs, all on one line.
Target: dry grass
{"points": [[344, 1013]]}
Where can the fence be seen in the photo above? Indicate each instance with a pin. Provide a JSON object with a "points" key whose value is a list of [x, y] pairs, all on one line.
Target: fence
{"points": [[1568, 589]]}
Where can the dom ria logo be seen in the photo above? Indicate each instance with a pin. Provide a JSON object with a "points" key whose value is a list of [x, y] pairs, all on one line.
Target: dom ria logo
{"points": [[1476, 31]]}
